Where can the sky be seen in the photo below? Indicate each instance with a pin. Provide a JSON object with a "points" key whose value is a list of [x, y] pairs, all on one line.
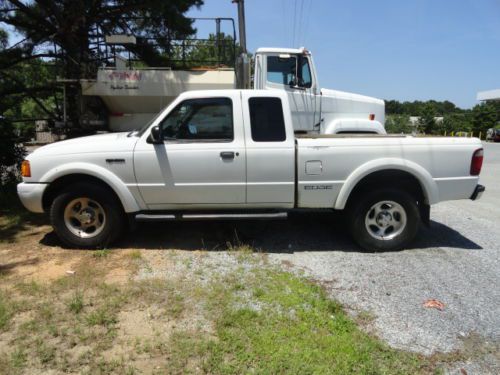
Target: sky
{"points": [[390, 49]]}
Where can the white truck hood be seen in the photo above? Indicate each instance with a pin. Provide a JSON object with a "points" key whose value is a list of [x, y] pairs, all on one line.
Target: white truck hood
{"points": [[101, 143], [336, 94], [340, 105]]}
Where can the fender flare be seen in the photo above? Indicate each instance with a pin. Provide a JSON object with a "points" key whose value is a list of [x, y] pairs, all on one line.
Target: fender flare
{"points": [[429, 186], [128, 201]]}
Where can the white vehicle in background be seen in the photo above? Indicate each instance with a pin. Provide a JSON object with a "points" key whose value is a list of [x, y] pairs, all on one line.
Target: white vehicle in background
{"points": [[314, 109], [135, 96], [234, 154]]}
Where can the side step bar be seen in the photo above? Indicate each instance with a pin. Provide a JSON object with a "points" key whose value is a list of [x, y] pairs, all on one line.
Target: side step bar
{"points": [[211, 216]]}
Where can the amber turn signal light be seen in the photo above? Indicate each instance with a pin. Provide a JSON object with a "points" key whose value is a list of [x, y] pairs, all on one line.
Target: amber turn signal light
{"points": [[25, 169]]}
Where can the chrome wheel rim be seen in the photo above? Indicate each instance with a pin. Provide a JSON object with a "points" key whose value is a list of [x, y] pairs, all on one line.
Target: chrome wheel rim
{"points": [[84, 217], [385, 220]]}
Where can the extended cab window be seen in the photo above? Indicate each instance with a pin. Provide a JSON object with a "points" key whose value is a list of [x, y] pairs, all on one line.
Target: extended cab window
{"points": [[200, 119], [281, 69], [266, 120]]}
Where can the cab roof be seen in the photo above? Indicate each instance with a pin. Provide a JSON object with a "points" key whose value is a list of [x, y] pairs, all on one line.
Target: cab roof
{"points": [[291, 51]]}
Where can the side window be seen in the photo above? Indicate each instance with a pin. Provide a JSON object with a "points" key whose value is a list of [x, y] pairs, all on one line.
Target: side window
{"points": [[305, 73], [266, 120], [281, 70], [200, 119]]}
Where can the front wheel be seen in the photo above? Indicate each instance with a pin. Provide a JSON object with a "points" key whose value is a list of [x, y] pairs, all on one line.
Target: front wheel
{"points": [[86, 216], [384, 220]]}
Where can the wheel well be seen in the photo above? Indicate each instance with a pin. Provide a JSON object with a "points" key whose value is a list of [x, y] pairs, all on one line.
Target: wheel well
{"points": [[59, 184], [390, 178]]}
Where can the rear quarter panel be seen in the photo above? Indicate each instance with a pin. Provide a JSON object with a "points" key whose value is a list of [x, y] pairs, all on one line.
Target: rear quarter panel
{"points": [[441, 165]]}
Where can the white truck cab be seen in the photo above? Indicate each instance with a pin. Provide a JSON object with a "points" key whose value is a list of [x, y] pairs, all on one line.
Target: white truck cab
{"points": [[315, 110]]}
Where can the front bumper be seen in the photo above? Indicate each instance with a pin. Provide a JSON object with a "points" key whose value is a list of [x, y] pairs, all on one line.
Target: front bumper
{"points": [[478, 191], [31, 195]]}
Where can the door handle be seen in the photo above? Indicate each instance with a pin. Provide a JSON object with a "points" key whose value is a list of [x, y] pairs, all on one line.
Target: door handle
{"points": [[227, 155]]}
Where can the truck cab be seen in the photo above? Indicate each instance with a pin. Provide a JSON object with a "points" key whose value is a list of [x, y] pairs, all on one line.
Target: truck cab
{"points": [[315, 110]]}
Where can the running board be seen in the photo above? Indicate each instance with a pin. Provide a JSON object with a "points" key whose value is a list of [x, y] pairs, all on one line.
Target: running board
{"points": [[163, 217]]}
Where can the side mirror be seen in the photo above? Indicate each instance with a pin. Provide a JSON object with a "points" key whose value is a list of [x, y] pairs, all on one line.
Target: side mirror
{"points": [[155, 137]]}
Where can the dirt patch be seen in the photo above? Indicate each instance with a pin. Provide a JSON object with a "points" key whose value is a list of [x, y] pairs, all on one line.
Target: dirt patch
{"points": [[28, 258]]}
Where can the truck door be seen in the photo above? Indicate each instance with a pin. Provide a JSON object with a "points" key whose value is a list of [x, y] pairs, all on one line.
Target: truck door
{"points": [[270, 146], [292, 73], [202, 160]]}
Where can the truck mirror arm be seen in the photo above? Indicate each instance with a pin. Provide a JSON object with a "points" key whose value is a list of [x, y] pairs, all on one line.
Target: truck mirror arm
{"points": [[297, 87]]}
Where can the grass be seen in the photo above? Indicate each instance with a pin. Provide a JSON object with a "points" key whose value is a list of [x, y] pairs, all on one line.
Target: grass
{"points": [[14, 218], [101, 253], [290, 326], [5, 312], [135, 254], [75, 304], [252, 319]]}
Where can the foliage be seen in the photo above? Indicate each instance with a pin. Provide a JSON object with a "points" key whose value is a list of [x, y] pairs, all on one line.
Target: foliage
{"points": [[484, 117], [415, 108], [396, 124], [477, 120], [11, 153], [455, 122], [427, 122], [64, 33]]}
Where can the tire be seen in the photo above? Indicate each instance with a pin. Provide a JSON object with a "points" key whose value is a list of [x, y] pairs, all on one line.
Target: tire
{"points": [[86, 215], [384, 220]]}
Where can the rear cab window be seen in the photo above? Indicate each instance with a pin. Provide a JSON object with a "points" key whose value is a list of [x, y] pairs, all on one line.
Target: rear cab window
{"points": [[267, 123]]}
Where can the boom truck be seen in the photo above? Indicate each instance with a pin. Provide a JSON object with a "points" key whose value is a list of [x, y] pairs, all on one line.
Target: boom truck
{"points": [[125, 96]]}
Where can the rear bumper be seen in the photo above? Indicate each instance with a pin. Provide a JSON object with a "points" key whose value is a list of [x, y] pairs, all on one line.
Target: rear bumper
{"points": [[478, 191], [31, 195]]}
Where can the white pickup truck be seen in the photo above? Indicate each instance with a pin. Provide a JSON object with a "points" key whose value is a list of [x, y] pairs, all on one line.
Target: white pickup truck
{"points": [[234, 154]]}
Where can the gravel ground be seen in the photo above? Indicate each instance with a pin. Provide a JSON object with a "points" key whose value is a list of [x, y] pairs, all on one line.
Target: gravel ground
{"points": [[455, 261]]}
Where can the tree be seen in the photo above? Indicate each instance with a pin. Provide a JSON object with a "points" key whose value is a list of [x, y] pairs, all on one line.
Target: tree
{"points": [[455, 122], [427, 122], [397, 124], [394, 107], [484, 117], [65, 32]]}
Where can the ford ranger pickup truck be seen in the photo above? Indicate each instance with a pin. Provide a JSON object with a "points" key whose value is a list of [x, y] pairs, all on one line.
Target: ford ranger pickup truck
{"points": [[234, 154]]}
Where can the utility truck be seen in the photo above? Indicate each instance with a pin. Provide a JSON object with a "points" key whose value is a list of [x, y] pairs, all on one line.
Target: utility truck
{"points": [[132, 96], [234, 154]]}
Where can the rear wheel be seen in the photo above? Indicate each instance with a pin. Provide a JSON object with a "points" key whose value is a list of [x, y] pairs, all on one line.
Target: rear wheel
{"points": [[384, 220], [87, 216]]}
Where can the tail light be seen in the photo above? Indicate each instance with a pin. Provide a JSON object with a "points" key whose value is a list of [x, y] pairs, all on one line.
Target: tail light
{"points": [[25, 169], [476, 162], [372, 116]]}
